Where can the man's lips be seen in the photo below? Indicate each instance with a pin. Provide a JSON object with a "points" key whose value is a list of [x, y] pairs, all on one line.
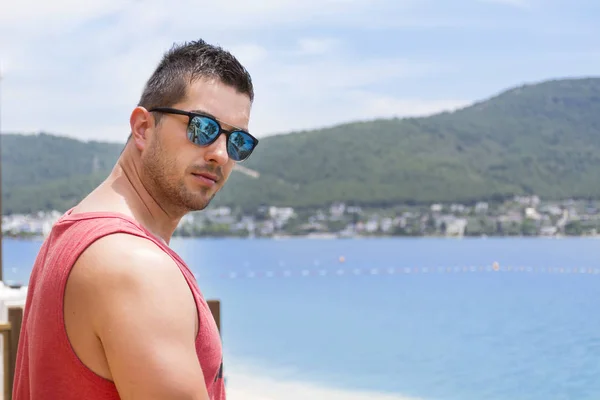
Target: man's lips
{"points": [[206, 178], [207, 175]]}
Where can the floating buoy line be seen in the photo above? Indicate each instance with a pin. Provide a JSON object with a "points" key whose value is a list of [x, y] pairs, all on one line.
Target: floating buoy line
{"points": [[391, 271]]}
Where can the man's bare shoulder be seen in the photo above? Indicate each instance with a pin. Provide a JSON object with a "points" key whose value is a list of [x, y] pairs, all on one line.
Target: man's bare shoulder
{"points": [[124, 259], [130, 271]]}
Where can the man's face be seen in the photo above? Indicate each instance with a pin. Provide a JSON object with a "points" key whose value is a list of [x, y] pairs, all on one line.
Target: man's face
{"points": [[181, 173]]}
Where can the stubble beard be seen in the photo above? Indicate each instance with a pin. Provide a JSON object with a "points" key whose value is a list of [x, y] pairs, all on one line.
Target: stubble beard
{"points": [[167, 187]]}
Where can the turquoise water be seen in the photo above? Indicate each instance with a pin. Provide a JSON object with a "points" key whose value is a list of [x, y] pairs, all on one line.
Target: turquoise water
{"points": [[428, 318]]}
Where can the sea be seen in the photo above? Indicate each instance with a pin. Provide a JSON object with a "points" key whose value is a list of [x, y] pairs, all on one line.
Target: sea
{"points": [[398, 318]]}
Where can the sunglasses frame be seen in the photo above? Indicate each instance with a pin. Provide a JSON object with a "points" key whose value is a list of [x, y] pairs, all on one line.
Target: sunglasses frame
{"points": [[191, 115]]}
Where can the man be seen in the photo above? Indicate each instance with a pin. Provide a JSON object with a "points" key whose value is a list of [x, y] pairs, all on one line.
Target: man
{"points": [[112, 312]]}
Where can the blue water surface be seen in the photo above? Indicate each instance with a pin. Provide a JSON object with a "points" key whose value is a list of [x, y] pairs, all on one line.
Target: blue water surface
{"points": [[422, 317]]}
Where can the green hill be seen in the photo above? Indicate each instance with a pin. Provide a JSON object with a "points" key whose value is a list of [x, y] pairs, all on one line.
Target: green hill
{"points": [[536, 139], [539, 139], [44, 172]]}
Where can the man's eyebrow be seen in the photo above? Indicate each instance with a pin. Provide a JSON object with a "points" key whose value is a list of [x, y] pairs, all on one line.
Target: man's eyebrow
{"points": [[204, 113]]}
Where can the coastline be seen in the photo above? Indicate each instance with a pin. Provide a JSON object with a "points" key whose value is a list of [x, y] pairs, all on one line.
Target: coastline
{"points": [[333, 236], [245, 383]]}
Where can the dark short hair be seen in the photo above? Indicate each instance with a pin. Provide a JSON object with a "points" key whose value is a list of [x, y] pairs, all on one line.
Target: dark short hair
{"points": [[184, 64]]}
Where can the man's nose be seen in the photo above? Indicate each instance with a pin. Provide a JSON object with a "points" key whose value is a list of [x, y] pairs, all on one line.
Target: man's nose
{"points": [[217, 151]]}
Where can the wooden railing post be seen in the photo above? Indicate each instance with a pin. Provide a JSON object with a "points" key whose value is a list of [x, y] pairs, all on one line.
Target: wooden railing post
{"points": [[215, 309], [15, 318], [5, 330]]}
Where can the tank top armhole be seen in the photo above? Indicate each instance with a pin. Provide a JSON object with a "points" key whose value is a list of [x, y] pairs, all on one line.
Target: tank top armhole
{"points": [[100, 228]]}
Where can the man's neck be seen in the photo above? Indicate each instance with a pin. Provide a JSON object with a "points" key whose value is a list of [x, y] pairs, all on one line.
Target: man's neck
{"points": [[145, 207], [125, 192]]}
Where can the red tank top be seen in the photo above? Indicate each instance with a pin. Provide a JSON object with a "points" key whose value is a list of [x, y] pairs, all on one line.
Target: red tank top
{"points": [[46, 366]]}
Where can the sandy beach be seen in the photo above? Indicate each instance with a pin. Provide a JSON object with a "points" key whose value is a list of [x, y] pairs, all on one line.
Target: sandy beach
{"points": [[242, 384]]}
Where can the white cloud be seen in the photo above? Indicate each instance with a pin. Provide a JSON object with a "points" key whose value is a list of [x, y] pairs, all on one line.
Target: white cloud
{"points": [[319, 77], [316, 46], [331, 90], [82, 69], [512, 3], [25, 13], [385, 106], [318, 112], [251, 55]]}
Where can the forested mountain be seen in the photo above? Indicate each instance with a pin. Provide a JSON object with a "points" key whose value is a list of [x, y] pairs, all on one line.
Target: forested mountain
{"points": [[539, 139]]}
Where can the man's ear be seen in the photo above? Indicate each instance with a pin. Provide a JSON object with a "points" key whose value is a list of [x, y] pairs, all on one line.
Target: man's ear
{"points": [[142, 123]]}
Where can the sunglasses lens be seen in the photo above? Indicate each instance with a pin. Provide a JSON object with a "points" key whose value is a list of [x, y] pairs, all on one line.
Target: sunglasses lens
{"points": [[240, 145], [202, 130]]}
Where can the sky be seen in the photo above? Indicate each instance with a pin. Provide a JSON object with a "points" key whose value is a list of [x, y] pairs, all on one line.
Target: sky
{"points": [[76, 69]]}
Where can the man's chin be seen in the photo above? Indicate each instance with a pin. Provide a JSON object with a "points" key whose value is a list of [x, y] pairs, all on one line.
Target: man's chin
{"points": [[201, 205]]}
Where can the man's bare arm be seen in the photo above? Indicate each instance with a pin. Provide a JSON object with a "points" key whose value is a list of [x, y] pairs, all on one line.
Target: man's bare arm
{"points": [[143, 312]]}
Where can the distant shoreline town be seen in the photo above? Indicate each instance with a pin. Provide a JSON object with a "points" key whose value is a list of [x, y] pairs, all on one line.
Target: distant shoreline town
{"points": [[519, 216]]}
